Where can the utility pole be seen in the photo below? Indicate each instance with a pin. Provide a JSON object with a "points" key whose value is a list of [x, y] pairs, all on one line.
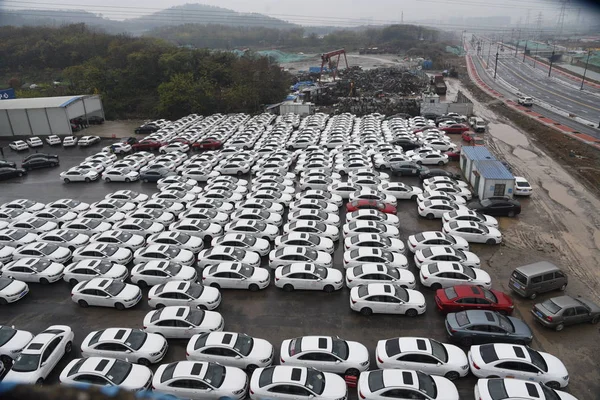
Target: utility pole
{"points": [[496, 66], [535, 55], [517, 45], [551, 60], [487, 63], [585, 70], [525, 51]]}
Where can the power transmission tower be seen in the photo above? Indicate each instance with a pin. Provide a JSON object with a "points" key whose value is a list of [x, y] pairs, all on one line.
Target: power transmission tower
{"points": [[561, 16], [538, 25]]}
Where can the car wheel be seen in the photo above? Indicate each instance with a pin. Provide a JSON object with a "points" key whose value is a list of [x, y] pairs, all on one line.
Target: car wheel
{"points": [[430, 216], [119, 306], [142, 284], [452, 375], [53, 164], [466, 341], [502, 312], [440, 163], [288, 288], [73, 282], [412, 313], [215, 285], [559, 327], [413, 198], [88, 180], [3, 301], [436, 286], [145, 180], [144, 362], [352, 372], [595, 320], [419, 162], [307, 188], [492, 377], [40, 382], [68, 347], [490, 241], [44, 281], [328, 289], [20, 174], [83, 303], [533, 295], [203, 307], [7, 361], [253, 287], [366, 311], [127, 180], [208, 238], [511, 213], [563, 287], [553, 385], [250, 368], [107, 180], [159, 306], [67, 180]]}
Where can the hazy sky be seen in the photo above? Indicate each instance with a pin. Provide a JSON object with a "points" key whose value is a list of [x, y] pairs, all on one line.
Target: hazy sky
{"points": [[332, 12]]}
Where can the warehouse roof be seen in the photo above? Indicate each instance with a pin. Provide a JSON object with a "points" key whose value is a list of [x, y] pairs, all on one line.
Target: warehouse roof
{"points": [[38, 102], [493, 170], [477, 153]]}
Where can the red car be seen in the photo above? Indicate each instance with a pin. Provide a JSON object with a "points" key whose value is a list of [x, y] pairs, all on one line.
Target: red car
{"points": [[453, 155], [208, 144], [371, 205], [147, 145], [465, 297], [456, 128], [467, 136]]}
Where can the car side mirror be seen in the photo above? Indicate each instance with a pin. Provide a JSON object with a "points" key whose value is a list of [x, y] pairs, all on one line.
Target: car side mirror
{"points": [[128, 351], [439, 364], [337, 361], [238, 357]]}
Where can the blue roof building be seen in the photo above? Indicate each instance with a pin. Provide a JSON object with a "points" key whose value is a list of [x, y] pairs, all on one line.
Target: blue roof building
{"points": [[488, 176]]}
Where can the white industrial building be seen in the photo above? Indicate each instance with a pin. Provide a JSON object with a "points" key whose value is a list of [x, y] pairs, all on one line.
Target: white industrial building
{"points": [[42, 116]]}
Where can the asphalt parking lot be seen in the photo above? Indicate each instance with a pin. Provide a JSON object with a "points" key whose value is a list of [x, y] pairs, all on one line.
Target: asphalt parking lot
{"points": [[270, 314]]}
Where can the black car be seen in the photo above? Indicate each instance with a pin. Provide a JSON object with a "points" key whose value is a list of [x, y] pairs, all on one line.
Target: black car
{"points": [[147, 128], [153, 175], [40, 155], [95, 120], [6, 163], [406, 144], [8, 173], [406, 168], [427, 173], [129, 140], [496, 207], [39, 162]]}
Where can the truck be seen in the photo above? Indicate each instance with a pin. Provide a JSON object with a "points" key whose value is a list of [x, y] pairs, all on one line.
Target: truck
{"points": [[439, 84]]}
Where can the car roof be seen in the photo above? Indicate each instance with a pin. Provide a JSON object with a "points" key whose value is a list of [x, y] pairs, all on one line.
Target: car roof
{"points": [[468, 291], [226, 339], [437, 250], [41, 340], [381, 289], [317, 343], [449, 266], [286, 374], [395, 378], [477, 317], [96, 283], [115, 335], [565, 301], [506, 351]]}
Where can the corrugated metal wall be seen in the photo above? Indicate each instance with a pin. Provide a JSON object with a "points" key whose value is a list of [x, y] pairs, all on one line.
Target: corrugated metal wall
{"points": [[59, 124], [19, 122], [5, 128], [39, 122], [75, 109]]}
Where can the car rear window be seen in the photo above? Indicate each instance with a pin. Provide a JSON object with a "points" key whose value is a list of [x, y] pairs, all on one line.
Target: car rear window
{"points": [[168, 372], [450, 293], [488, 353], [433, 268], [427, 253], [497, 389], [392, 347], [420, 237], [363, 291], [461, 318], [551, 306], [376, 380], [266, 377], [519, 277]]}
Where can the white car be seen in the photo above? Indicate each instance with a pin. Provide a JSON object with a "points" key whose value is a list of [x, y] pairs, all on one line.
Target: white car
{"points": [[261, 204], [34, 225], [14, 341], [139, 226], [172, 207], [6, 253], [422, 354], [522, 187], [308, 276], [41, 355], [119, 148], [34, 141], [175, 147], [297, 254], [379, 273], [196, 380], [451, 189], [128, 195], [175, 322], [367, 255], [90, 165], [103, 292], [104, 214], [230, 348], [313, 227], [69, 141], [197, 227], [56, 215], [321, 195], [207, 215], [120, 238], [11, 290], [445, 253], [434, 238], [85, 141], [233, 168], [18, 145], [505, 360], [228, 179], [243, 241], [438, 195], [443, 274], [385, 298], [25, 205], [175, 179], [235, 275], [443, 179], [313, 204], [271, 195], [74, 175], [257, 215], [325, 353], [431, 209], [470, 215], [232, 187], [284, 382], [102, 372], [104, 251], [408, 383], [33, 270], [315, 183], [87, 225], [400, 190], [180, 293], [133, 345], [87, 269], [374, 240], [178, 239], [164, 252], [372, 215], [473, 232], [257, 229], [314, 215], [314, 241], [65, 238], [485, 389], [153, 273], [47, 251], [106, 159], [153, 215], [17, 237], [357, 227], [430, 158], [69, 204], [177, 196], [12, 214], [120, 175], [199, 174], [220, 254], [53, 139], [370, 194]]}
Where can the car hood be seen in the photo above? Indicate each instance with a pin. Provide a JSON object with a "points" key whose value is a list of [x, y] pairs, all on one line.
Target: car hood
{"points": [[335, 387], [456, 356], [415, 297], [594, 308], [357, 352], [521, 328], [211, 320], [138, 377], [21, 377], [261, 274], [18, 341], [54, 268], [445, 387], [235, 379], [154, 342], [262, 349], [129, 292]]}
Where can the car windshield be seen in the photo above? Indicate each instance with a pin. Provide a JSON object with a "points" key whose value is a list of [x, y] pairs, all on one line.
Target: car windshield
{"points": [[549, 394], [340, 348], [123, 236], [244, 344], [522, 184], [195, 291], [195, 317], [322, 272], [506, 324], [40, 265], [6, 333], [439, 351], [376, 380], [48, 249], [469, 272], [37, 223], [536, 359], [115, 288], [119, 371], [27, 363], [427, 385], [315, 381], [172, 251], [173, 269], [246, 271], [402, 293], [551, 306], [215, 375], [489, 295]]}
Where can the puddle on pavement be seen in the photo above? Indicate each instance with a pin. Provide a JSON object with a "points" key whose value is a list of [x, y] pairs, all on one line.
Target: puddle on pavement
{"points": [[524, 154], [508, 135], [560, 194]]}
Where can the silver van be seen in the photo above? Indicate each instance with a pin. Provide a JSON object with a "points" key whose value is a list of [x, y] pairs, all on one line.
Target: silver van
{"points": [[540, 277]]}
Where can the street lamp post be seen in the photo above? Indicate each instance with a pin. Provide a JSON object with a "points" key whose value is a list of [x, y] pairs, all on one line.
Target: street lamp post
{"points": [[535, 55], [525, 51], [487, 63], [585, 70], [551, 60], [496, 66]]}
